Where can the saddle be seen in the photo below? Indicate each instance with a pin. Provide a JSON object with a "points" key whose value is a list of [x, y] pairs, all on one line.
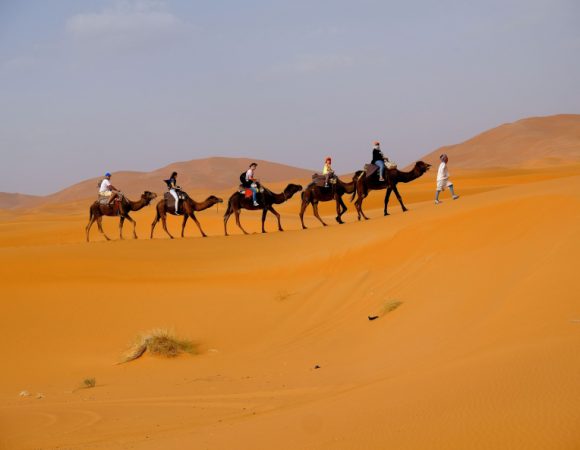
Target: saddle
{"points": [[371, 169], [247, 192], [170, 201], [103, 200], [320, 180]]}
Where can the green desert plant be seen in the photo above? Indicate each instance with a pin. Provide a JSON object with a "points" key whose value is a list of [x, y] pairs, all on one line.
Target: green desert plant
{"points": [[160, 342]]}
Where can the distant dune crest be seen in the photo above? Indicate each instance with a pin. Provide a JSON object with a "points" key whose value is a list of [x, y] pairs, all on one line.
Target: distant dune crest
{"points": [[527, 143]]}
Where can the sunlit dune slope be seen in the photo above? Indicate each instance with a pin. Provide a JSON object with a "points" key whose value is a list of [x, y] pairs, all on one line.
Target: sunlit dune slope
{"points": [[531, 142], [480, 353]]}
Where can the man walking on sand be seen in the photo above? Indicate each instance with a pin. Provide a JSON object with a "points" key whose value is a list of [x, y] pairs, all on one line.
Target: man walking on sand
{"points": [[443, 179]]}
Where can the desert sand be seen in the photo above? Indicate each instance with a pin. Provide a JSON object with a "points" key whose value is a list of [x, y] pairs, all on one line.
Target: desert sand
{"points": [[481, 353]]}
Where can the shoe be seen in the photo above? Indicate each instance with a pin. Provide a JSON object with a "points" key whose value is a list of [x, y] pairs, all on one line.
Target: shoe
{"points": [[438, 201], [455, 197], [326, 185], [381, 179], [256, 204]]}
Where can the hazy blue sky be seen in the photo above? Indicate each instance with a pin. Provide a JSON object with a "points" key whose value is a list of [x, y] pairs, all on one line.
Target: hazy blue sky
{"points": [[96, 85]]}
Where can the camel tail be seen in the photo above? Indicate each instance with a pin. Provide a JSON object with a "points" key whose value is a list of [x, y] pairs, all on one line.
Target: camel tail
{"points": [[230, 208], [355, 180]]}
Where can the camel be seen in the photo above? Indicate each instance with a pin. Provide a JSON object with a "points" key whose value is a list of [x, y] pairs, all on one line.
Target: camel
{"points": [[238, 201], [188, 207], [365, 184], [314, 194], [122, 209]]}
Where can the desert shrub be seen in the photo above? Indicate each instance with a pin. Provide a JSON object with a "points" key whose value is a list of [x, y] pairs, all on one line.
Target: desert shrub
{"points": [[89, 383], [159, 342]]}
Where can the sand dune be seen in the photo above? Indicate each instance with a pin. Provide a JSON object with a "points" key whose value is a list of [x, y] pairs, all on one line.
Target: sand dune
{"points": [[480, 354], [532, 142], [196, 175]]}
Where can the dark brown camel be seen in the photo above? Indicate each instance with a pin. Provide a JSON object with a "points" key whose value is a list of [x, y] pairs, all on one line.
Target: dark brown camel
{"points": [[124, 207], [314, 194], [237, 202], [188, 207], [365, 184]]}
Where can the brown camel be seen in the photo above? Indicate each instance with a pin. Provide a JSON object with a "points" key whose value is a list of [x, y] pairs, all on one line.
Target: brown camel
{"points": [[121, 209], [237, 202], [365, 184], [188, 207], [314, 194]]}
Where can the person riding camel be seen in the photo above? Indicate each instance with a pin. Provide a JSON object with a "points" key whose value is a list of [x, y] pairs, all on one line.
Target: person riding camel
{"points": [[106, 189], [379, 160], [327, 171], [249, 181], [173, 188]]}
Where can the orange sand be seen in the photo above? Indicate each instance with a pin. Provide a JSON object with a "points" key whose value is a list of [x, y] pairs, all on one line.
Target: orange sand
{"points": [[481, 354]]}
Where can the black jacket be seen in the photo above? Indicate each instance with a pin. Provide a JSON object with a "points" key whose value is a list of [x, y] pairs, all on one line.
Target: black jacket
{"points": [[377, 155]]}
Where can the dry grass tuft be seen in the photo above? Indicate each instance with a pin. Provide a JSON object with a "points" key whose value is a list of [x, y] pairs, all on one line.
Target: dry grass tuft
{"points": [[390, 306], [89, 383], [160, 342]]}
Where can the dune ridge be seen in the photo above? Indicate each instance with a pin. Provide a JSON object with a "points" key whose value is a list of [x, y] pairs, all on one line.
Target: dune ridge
{"points": [[531, 142]]}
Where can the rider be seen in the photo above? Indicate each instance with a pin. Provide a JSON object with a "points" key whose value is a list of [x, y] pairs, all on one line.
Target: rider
{"points": [[379, 160], [327, 171], [106, 189], [173, 188], [251, 182]]}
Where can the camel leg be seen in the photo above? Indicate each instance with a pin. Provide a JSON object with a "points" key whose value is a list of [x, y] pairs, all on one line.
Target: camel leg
{"points": [[264, 212], [164, 223], [359, 209], [130, 219], [90, 224], [273, 211], [387, 196], [197, 223], [399, 198], [100, 225], [237, 214], [315, 210], [302, 209], [340, 209], [185, 217], [226, 218], [121, 222], [157, 217]]}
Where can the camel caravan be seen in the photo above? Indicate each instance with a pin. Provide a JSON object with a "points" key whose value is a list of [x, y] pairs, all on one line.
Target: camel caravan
{"points": [[251, 195]]}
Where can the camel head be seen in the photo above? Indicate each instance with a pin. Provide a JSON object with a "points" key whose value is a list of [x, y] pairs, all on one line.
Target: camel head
{"points": [[213, 199], [291, 189], [422, 166], [148, 196]]}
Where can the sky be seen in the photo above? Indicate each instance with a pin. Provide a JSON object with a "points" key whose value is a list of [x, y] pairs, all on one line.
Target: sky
{"points": [[89, 86]]}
